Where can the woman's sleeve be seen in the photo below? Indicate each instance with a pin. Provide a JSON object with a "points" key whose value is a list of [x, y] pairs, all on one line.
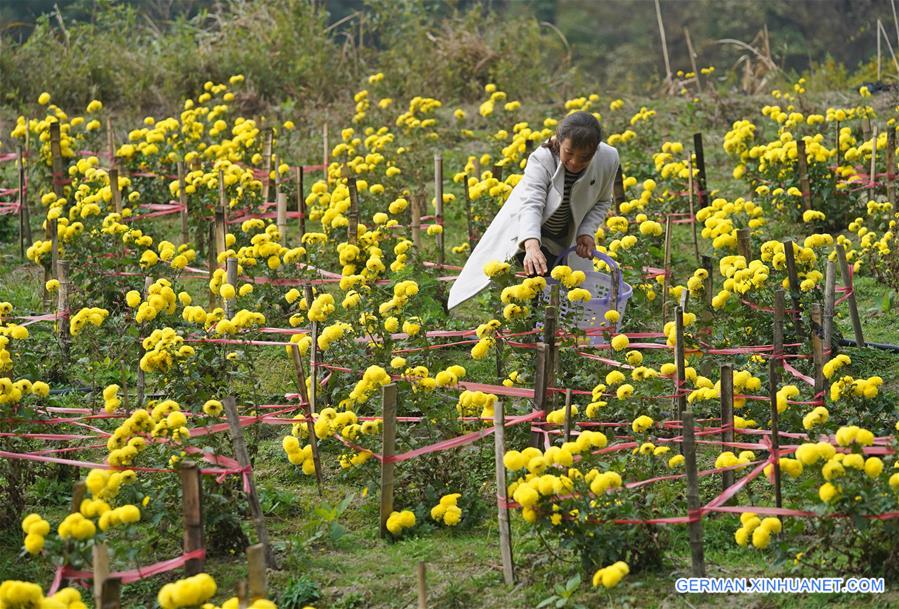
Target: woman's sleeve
{"points": [[597, 214], [535, 186]]}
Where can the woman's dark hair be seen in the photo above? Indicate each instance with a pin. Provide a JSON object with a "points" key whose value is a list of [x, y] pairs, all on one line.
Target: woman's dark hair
{"points": [[581, 128]]}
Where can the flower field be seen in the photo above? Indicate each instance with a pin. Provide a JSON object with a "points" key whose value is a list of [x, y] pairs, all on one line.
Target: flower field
{"points": [[223, 331]]}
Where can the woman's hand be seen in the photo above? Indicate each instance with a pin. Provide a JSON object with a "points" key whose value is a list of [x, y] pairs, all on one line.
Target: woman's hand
{"points": [[585, 246], [534, 260]]}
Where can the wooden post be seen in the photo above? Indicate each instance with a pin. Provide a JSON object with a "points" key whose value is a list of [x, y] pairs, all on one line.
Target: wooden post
{"points": [[192, 509], [388, 440], [310, 424], [853, 307], [281, 201], [301, 203], [744, 244], [540, 374], [53, 229], [468, 215], [110, 594], [240, 451], [803, 174], [891, 163], [438, 207], [415, 225], [267, 164], [692, 208], [775, 434], [618, 190], [680, 396], [701, 194], [793, 278], [817, 340], [257, 578], [182, 200], [829, 280], [778, 330], [79, 490], [422, 585], [220, 226], [502, 494], [873, 169], [231, 278], [56, 159], [727, 417], [101, 570], [694, 527], [666, 268]]}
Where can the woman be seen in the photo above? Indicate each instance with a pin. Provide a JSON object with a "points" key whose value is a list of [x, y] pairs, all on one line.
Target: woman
{"points": [[560, 201]]}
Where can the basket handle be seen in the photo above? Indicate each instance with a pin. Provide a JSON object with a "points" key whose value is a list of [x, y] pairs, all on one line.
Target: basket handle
{"points": [[597, 254]]}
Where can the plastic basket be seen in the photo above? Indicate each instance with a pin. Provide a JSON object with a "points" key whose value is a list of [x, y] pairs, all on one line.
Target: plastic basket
{"points": [[588, 316]]}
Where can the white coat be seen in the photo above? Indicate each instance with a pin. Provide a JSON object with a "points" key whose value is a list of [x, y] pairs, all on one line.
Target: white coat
{"points": [[533, 200]]}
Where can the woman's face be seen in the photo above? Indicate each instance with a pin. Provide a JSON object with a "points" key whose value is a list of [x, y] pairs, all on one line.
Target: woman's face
{"points": [[575, 159]]}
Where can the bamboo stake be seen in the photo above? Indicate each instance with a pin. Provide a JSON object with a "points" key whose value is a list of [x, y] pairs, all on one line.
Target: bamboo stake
{"points": [[62, 307], [182, 200], [438, 206], [693, 56], [267, 164], [775, 433], [257, 578], [701, 193], [115, 190], [110, 594], [240, 451], [879, 25], [694, 527], [793, 278], [231, 278], [891, 164], [422, 585], [668, 79], [110, 143], [388, 440], [56, 159], [680, 398], [803, 174], [744, 243], [24, 219], [353, 229], [550, 327], [301, 203], [79, 490], [567, 426], [192, 510], [727, 417], [666, 268], [281, 202], [829, 280], [540, 388], [692, 208], [618, 189], [873, 170], [778, 330], [468, 215], [325, 152], [853, 307], [502, 494], [415, 225], [817, 345], [310, 425], [313, 357]]}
